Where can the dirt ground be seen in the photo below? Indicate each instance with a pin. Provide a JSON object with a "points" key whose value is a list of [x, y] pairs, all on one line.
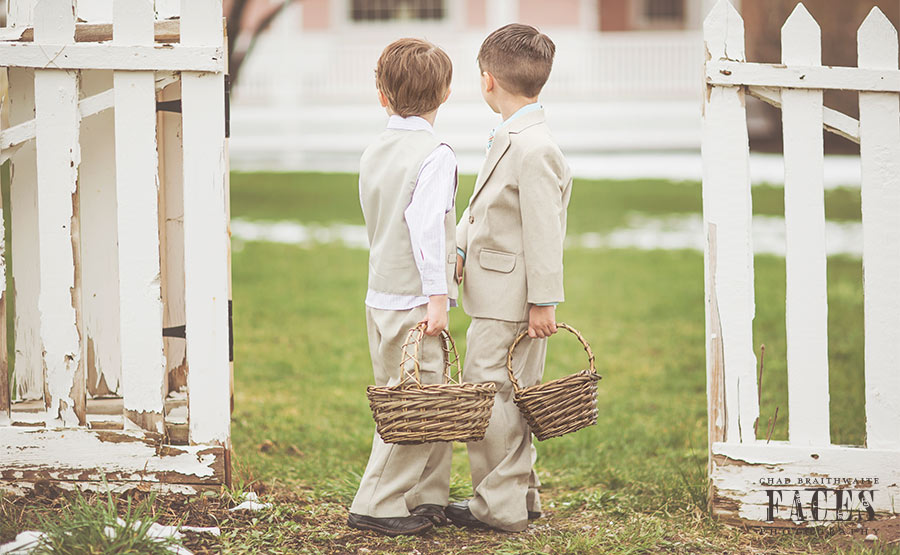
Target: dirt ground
{"points": [[299, 524]]}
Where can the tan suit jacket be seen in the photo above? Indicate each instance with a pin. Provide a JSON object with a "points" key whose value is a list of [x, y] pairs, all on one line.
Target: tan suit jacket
{"points": [[513, 229]]}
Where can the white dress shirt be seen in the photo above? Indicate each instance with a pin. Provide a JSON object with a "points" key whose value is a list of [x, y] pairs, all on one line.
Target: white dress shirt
{"points": [[433, 197]]}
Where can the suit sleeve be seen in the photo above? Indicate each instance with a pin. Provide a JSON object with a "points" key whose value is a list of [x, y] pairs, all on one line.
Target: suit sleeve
{"points": [[541, 202]]}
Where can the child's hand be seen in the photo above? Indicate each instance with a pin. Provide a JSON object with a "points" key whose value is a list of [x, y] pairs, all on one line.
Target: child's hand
{"points": [[436, 318], [541, 321], [460, 268]]}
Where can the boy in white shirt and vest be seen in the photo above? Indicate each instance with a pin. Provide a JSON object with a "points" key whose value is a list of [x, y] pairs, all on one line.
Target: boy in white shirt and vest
{"points": [[510, 241], [407, 190]]}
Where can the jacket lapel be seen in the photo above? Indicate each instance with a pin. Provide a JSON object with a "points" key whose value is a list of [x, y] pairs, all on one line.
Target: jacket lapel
{"points": [[501, 145], [497, 150]]}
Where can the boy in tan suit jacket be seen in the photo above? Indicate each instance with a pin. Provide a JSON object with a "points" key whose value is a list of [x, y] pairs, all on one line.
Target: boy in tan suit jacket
{"points": [[510, 247]]}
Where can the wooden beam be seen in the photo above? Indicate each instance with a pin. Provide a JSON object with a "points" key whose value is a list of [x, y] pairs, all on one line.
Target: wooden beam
{"points": [[171, 57], [741, 473], [140, 318], [23, 222], [22, 488], [91, 456], [806, 297], [13, 137], [833, 121], [171, 195], [730, 73], [880, 158], [57, 123], [727, 206], [165, 31], [4, 354], [99, 237], [205, 231]]}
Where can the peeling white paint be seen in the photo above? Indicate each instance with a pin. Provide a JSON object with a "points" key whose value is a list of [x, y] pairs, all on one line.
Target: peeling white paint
{"points": [[99, 240], [140, 317], [57, 122], [23, 219], [84, 452], [740, 480], [205, 231], [171, 172]]}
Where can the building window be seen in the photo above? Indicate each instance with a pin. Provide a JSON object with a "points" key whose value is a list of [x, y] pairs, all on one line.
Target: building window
{"points": [[658, 14], [664, 11], [397, 10]]}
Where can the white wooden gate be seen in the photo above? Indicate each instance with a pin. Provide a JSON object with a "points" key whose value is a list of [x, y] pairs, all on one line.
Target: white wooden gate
{"points": [[805, 479], [119, 246]]}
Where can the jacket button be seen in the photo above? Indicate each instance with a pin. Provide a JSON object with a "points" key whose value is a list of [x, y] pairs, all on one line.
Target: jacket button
{"points": [[471, 219]]}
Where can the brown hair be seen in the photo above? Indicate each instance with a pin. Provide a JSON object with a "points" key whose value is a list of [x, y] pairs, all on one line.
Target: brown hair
{"points": [[414, 75], [519, 57]]}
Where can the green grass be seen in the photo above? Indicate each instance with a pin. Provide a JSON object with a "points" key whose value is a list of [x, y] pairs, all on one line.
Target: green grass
{"points": [[595, 205], [634, 483], [100, 527], [302, 364]]}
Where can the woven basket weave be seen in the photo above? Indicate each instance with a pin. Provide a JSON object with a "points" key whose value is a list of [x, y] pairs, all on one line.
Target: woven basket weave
{"points": [[559, 406], [412, 413]]}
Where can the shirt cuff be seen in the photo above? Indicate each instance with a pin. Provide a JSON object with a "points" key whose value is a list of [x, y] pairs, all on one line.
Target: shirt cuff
{"points": [[462, 253], [545, 304], [434, 286]]}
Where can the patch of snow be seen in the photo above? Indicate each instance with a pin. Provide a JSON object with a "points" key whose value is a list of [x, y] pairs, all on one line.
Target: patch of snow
{"points": [[251, 503], [682, 232], [25, 543], [839, 170]]}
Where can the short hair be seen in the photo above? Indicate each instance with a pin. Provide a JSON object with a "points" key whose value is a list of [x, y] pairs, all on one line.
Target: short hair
{"points": [[519, 57], [414, 75]]}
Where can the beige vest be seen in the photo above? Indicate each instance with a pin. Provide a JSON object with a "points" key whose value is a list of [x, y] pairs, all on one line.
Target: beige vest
{"points": [[387, 177]]}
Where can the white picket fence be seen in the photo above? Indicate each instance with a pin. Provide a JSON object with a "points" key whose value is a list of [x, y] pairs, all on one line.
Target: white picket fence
{"points": [[747, 475], [119, 246]]}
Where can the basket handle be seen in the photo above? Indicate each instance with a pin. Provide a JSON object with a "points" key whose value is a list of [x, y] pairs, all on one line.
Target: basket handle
{"points": [[414, 338], [587, 349]]}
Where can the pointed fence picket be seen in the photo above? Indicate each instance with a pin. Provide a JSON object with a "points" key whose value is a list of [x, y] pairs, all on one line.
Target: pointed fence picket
{"points": [[806, 305], [92, 401], [753, 481], [879, 144]]}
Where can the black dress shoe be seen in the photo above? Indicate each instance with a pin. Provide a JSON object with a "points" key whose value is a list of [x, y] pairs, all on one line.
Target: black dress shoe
{"points": [[534, 515], [460, 515], [396, 526], [434, 513]]}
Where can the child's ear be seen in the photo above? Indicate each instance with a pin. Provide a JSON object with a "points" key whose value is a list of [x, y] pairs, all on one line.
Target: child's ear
{"points": [[446, 96], [488, 80], [382, 99]]}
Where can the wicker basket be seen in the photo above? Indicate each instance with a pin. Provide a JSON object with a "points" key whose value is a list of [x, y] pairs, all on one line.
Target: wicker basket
{"points": [[559, 406], [413, 413]]}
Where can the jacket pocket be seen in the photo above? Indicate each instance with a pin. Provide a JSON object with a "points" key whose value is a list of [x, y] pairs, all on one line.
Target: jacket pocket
{"points": [[497, 261]]}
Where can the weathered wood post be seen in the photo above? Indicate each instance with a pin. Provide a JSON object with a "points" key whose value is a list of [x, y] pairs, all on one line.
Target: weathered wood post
{"points": [[93, 408]]}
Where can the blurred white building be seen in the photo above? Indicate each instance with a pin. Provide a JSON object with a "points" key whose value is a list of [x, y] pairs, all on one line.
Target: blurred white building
{"points": [[627, 77]]}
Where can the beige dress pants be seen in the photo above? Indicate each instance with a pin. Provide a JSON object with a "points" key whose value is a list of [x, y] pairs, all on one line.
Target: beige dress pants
{"points": [[503, 478], [401, 477]]}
